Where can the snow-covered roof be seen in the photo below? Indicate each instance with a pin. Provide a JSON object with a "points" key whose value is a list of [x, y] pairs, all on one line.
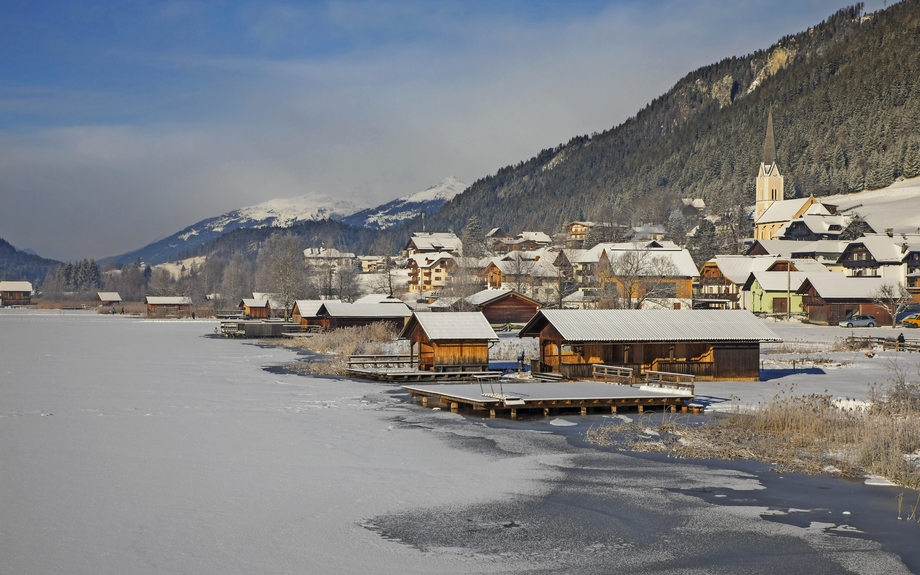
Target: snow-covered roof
{"points": [[697, 203], [471, 325], [537, 269], [251, 303], [681, 258], [538, 237], [818, 223], [378, 298], [737, 269], [108, 296], [889, 249], [435, 241], [275, 299], [309, 307], [167, 300], [326, 253], [785, 210], [429, 259], [809, 266], [364, 310], [777, 281], [782, 248], [631, 325], [15, 286], [488, 295], [836, 285], [818, 247]]}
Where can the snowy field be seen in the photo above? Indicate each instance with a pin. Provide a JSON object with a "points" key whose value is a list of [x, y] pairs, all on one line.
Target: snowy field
{"points": [[132, 446]]}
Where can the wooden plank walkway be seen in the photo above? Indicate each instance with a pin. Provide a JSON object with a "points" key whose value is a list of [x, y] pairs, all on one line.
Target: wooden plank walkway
{"points": [[413, 374], [547, 397]]}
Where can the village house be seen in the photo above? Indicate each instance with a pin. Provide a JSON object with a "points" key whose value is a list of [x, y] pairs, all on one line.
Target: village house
{"points": [[430, 271], [502, 306], [255, 308], [15, 293], [107, 298], [330, 257], [576, 233], [449, 341], [646, 232], [433, 243], [709, 344], [832, 297], [167, 305], [769, 291], [884, 256], [722, 277], [525, 273]]}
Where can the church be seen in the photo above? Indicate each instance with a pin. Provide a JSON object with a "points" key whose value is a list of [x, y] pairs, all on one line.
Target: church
{"points": [[772, 213]]}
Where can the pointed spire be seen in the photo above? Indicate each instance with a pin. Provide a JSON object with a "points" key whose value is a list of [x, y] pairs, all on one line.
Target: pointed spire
{"points": [[769, 147]]}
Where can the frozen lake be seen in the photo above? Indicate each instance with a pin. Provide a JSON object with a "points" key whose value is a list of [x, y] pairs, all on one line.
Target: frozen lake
{"points": [[133, 446]]}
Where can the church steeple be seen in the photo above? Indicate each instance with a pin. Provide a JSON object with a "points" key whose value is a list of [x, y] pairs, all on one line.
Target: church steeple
{"points": [[769, 147], [769, 179]]}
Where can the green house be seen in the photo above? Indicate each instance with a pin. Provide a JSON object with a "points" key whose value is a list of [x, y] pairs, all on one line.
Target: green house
{"points": [[769, 292]]}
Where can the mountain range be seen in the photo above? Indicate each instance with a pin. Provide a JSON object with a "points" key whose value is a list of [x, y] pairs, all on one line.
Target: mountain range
{"points": [[290, 212]]}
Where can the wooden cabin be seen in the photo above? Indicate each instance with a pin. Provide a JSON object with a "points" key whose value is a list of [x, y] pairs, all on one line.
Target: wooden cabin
{"points": [[305, 311], [255, 308], [709, 344], [15, 293], [108, 298], [336, 314], [832, 297], [501, 306], [449, 341], [163, 305]]}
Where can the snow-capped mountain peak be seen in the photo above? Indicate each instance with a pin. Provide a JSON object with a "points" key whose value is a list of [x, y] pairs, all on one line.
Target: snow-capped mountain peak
{"points": [[407, 207]]}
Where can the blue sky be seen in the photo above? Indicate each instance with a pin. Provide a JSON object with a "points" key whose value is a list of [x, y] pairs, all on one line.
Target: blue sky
{"points": [[122, 122]]}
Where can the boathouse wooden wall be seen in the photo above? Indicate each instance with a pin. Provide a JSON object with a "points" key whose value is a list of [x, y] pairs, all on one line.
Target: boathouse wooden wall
{"points": [[449, 355], [509, 309], [717, 361]]}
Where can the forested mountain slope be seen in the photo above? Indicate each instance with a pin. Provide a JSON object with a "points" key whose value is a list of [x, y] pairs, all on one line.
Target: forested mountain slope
{"points": [[845, 97]]}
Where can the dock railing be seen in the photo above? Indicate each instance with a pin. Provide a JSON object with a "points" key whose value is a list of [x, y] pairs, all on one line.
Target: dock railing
{"points": [[680, 381], [381, 361], [910, 345], [612, 374]]}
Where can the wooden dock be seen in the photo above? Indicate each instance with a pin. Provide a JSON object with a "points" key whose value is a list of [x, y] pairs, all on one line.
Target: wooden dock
{"points": [[414, 374], [549, 397]]}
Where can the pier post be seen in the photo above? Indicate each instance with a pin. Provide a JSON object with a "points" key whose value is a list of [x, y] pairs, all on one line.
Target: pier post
{"points": [[584, 411], [454, 407], [641, 409], [613, 409], [425, 400], [513, 413], [492, 413], [545, 412]]}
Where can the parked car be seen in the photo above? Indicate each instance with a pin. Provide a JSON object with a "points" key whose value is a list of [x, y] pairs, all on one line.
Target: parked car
{"points": [[859, 321], [912, 320]]}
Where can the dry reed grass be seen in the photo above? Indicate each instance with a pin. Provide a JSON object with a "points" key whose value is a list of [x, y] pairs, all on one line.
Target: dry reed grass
{"points": [[805, 434], [336, 345]]}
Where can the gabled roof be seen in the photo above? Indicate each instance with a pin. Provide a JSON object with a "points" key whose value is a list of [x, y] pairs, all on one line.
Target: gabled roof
{"points": [[885, 249], [836, 285], [435, 241], [737, 269], [275, 299], [309, 307], [164, 300], [108, 296], [363, 310], [538, 237], [832, 224], [537, 269], [254, 303], [15, 286], [636, 325], [490, 295], [429, 259], [464, 326], [378, 298], [786, 210], [777, 281]]}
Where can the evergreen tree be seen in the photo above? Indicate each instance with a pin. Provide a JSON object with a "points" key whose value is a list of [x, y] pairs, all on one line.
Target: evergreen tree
{"points": [[704, 244]]}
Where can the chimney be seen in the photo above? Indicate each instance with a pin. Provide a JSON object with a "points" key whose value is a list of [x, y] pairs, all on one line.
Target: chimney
{"points": [[889, 232]]}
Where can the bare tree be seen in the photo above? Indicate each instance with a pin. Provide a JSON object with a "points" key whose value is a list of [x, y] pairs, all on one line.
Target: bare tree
{"points": [[386, 280], [633, 278], [162, 283], [237, 280], [281, 269], [346, 282], [563, 284], [893, 298], [520, 271], [464, 281]]}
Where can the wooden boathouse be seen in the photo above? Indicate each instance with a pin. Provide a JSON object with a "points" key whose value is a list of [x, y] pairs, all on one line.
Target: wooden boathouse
{"points": [[457, 341], [15, 293], [336, 314], [501, 306], [164, 305], [707, 344], [255, 308], [108, 298]]}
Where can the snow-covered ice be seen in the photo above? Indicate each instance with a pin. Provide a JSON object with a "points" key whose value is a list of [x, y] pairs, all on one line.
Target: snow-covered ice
{"points": [[133, 446]]}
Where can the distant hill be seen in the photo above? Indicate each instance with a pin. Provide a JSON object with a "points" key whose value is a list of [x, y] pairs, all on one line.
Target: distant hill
{"points": [[292, 212], [407, 207], [896, 207], [23, 265], [845, 97]]}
